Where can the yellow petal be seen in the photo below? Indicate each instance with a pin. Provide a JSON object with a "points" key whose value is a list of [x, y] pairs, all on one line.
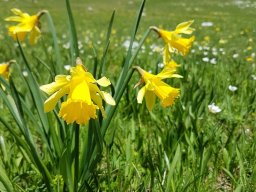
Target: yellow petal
{"points": [[108, 98], [60, 81], [141, 94], [79, 91], [16, 11], [50, 103], [166, 54], [34, 35], [150, 100], [104, 82], [185, 27]]}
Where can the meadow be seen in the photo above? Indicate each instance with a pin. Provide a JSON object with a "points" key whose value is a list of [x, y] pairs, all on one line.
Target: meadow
{"points": [[205, 141]]}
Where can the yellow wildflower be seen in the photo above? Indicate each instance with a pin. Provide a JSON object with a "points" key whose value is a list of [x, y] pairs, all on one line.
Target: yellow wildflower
{"points": [[26, 24], [173, 39], [4, 69], [154, 86], [84, 96], [169, 64]]}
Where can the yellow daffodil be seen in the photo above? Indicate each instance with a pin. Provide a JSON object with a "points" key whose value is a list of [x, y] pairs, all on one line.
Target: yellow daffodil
{"points": [[173, 39], [27, 24], [4, 70], [84, 95], [154, 86], [169, 64]]}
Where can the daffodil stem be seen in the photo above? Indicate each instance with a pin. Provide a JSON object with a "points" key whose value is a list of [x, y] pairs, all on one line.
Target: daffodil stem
{"points": [[111, 109], [76, 164], [122, 84]]}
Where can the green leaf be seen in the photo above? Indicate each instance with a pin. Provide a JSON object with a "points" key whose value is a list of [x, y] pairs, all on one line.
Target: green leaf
{"points": [[5, 180]]}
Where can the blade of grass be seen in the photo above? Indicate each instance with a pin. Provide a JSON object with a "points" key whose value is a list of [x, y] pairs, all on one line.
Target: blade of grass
{"points": [[103, 59], [57, 68], [5, 180], [74, 43]]}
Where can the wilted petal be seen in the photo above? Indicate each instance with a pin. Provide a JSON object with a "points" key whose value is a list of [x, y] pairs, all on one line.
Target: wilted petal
{"points": [[104, 82], [108, 98], [141, 94]]}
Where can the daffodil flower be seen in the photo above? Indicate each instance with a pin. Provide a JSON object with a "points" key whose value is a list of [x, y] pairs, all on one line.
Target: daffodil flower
{"points": [[173, 39], [84, 96], [4, 70], [154, 86], [27, 24]]}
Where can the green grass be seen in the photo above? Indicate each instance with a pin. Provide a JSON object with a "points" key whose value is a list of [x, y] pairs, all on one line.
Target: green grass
{"points": [[182, 148]]}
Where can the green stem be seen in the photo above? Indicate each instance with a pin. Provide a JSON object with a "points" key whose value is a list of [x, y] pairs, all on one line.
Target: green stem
{"points": [[110, 110], [76, 165]]}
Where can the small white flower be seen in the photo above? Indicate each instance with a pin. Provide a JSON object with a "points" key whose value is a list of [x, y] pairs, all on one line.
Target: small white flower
{"points": [[126, 44], [207, 24], [25, 73], [67, 67], [89, 8], [206, 59], [232, 88], [213, 61], [215, 53], [253, 77], [160, 65], [214, 108], [235, 55], [66, 45], [155, 48]]}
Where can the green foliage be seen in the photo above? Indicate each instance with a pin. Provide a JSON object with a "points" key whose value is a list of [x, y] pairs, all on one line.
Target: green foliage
{"points": [[182, 148]]}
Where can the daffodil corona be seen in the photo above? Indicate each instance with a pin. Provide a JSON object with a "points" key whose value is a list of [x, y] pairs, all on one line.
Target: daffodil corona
{"points": [[154, 86], [27, 24], [84, 96], [173, 39]]}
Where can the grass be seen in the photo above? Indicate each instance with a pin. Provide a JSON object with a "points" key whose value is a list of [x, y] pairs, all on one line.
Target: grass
{"points": [[182, 148]]}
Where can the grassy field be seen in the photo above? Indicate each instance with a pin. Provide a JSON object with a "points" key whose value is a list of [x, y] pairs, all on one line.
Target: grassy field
{"points": [[182, 148]]}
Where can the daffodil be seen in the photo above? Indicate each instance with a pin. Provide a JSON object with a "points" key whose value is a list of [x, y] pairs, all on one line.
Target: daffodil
{"points": [[173, 39], [26, 24], [169, 64], [4, 70], [154, 86], [84, 96]]}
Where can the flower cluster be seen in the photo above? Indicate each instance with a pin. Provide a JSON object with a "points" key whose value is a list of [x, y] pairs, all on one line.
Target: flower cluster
{"points": [[84, 96], [154, 86]]}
